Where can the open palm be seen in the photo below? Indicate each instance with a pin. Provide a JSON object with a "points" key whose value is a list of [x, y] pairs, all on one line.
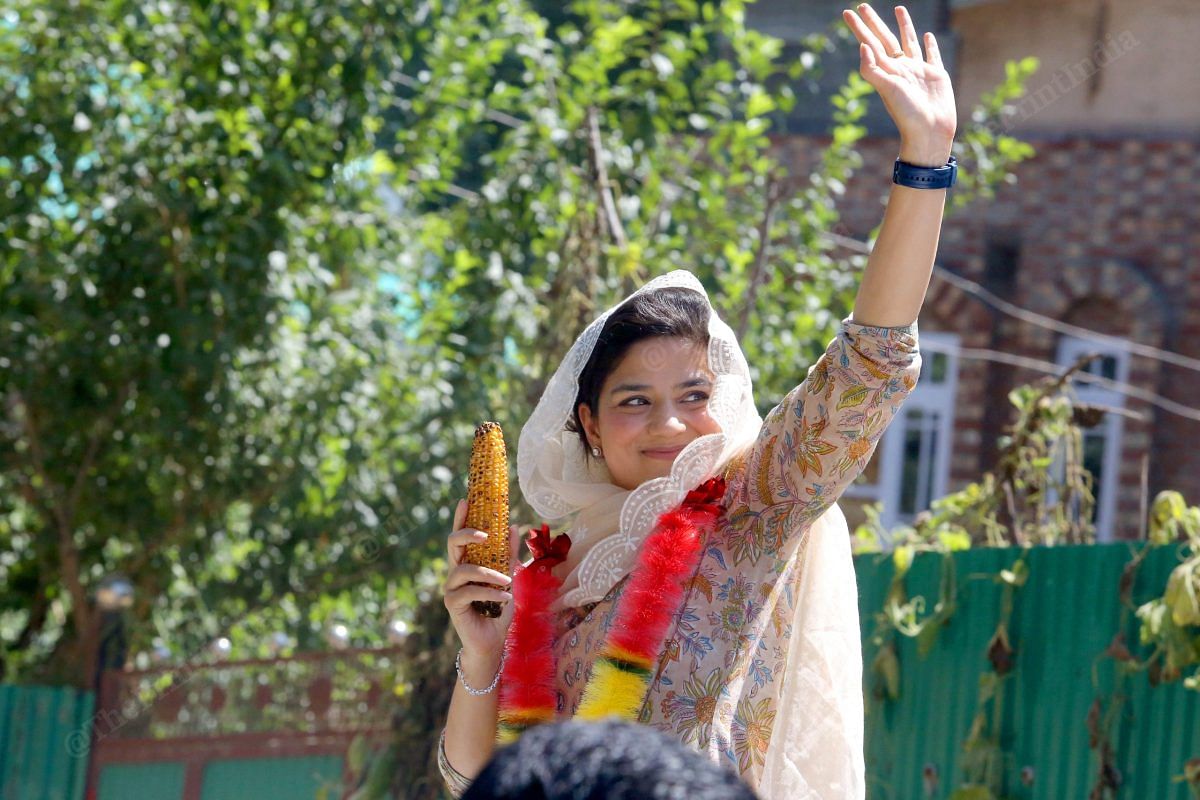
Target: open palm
{"points": [[915, 88]]}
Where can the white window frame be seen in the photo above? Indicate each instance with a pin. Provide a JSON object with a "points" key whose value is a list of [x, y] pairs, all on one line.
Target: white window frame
{"points": [[1070, 350], [927, 396]]}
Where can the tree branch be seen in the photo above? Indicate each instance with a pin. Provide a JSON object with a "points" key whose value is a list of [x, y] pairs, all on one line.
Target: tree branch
{"points": [[664, 206], [600, 170], [68, 555], [93, 449], [62, 510], [759, 269], [25, 420]]}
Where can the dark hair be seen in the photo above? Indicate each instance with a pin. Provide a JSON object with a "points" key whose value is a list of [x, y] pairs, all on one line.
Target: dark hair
{"points": [[608, 760], [673, 311]]}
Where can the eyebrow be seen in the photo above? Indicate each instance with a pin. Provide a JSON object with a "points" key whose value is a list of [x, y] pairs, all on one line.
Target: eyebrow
{"points": [[638, 387]]}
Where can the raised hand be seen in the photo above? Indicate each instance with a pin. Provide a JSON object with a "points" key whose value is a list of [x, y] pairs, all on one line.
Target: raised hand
{"points": [[915, 88]]}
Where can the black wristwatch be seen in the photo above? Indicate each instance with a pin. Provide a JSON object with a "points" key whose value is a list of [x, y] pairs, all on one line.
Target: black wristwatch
{"points": [[906, 174]]}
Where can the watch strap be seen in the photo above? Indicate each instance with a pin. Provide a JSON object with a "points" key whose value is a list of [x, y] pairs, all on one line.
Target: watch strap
{"points": [[915, 177]]}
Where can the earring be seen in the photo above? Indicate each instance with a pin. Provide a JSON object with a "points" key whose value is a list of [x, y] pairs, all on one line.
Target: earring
{"points": [[596, 452]]}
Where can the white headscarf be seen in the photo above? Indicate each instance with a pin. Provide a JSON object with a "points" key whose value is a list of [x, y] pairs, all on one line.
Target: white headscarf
{"points": [[611, 523], [805, 758]]}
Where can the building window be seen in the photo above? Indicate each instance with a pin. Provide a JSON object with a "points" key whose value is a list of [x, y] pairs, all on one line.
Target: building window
{"points": [[911, 466], [1101, 443]]}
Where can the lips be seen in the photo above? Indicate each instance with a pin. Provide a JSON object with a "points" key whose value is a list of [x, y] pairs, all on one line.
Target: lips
{"points": [[668, 453]]}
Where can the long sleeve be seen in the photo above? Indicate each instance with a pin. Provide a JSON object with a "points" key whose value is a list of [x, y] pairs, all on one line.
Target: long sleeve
{"points": [[821, 435]]}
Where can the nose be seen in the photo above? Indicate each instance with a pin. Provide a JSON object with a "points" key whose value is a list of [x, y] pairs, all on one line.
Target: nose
{"points": [[668, 418]]}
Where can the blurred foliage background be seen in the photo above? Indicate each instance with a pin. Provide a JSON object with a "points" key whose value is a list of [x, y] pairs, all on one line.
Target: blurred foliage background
{"points": [[264, 266]]}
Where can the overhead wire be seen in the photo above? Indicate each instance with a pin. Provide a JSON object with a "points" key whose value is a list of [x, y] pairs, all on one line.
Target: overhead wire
{"points": [[1032, 317], [1038, 365], [1050, 368]]}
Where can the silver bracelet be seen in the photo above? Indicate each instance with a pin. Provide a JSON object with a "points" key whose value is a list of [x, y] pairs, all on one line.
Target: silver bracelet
{"points": [[463, 679]]}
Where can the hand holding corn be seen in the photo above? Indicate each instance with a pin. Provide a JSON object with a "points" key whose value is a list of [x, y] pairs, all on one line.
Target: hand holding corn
{"points": [[482, 550], [487, 507]]}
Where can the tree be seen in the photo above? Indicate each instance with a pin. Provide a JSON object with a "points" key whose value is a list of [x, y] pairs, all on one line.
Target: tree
{"points": [[203, 380], [262, 271]]}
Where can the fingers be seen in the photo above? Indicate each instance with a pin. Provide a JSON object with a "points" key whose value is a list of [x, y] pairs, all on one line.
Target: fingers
{"points": [[908, 33], [870, 67], [463, 537], [462, 597], [932, 54], [456, 542], [875, 55], [878, 27], [460, 513], [870, 30], [467, 573]]}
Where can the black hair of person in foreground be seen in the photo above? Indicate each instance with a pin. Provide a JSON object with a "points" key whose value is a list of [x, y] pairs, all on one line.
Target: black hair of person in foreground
{"points": [[610, 760]]}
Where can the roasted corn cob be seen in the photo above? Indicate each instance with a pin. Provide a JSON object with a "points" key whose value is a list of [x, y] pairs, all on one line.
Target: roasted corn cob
{"points": [[487, 506]]}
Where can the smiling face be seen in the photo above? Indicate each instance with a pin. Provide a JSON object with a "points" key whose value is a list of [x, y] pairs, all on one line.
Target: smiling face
{"points": [[651, 405]]}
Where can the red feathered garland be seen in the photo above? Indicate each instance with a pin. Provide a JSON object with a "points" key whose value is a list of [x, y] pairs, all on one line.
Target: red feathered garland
{"points": [[655, 590], [527, 691], [667, 559]]}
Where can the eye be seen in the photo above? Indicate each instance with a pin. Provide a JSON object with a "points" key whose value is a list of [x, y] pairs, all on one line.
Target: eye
{"points": [[692, 398]]}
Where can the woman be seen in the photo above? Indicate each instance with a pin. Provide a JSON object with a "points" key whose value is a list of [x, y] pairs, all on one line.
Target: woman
{"points": [[756, 662]]}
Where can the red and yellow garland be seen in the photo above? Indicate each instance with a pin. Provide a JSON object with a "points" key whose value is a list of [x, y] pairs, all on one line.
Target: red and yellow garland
{"points": [[621, 673]]}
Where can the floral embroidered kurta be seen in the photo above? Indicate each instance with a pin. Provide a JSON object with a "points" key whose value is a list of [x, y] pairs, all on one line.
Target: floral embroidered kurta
{"points": [[719, 677]]}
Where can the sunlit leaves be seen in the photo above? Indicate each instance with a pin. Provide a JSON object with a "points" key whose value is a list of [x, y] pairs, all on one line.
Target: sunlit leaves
{"points": [[218, 391]]}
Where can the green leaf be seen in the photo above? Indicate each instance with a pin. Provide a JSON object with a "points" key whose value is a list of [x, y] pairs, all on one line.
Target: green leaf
{"points": [[954, 540], [1183, 593], [759, 103], [887, 666]]}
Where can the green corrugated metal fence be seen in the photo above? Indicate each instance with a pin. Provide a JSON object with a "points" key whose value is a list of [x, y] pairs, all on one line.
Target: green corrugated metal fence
{"points": [[256, 778], [43, 742], [150, 781], [289, 778], [1063, 619]]}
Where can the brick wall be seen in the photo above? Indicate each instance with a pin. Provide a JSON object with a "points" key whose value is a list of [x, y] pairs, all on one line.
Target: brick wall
{"points": [[1104, 234]]}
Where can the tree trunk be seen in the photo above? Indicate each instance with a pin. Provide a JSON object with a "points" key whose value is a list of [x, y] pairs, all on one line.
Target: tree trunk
{"points": [[421, 713]]}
